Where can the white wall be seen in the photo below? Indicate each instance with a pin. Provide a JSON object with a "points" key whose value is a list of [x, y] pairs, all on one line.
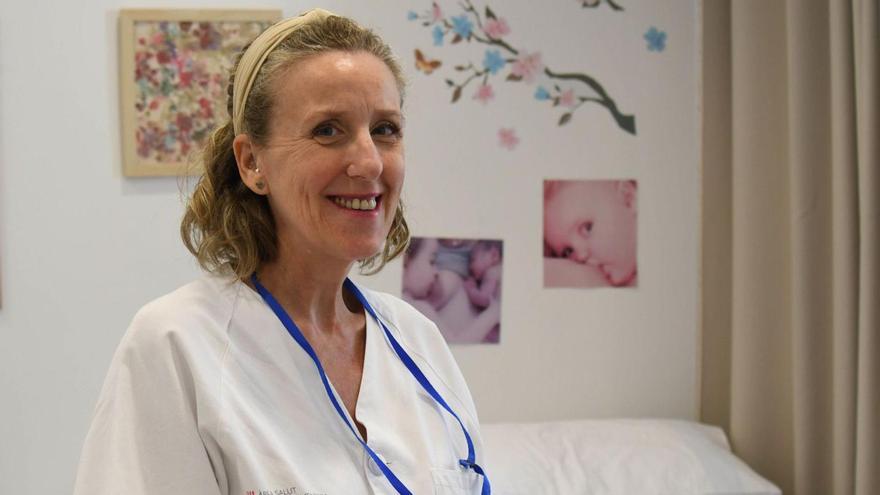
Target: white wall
{"points": [[82, 247]]}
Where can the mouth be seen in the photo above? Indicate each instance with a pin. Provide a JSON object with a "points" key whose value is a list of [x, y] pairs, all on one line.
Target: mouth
{"points": [[361, 202]]}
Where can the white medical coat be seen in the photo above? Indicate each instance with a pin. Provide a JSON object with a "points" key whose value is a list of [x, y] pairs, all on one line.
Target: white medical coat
{"points": [[208, 394]]}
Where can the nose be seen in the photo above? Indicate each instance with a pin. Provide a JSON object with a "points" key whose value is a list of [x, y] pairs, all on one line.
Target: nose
{"points": [[580, 253], [365, 162]]}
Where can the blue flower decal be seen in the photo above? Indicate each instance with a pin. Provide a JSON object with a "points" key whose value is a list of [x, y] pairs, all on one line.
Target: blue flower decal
{"points": [[462, 25], [437, 33], [411, 16], [656, 39], [541, 93], [493, 61]]}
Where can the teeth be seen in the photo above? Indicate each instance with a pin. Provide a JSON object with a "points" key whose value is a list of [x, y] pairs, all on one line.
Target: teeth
{"points": [[357, 204]]}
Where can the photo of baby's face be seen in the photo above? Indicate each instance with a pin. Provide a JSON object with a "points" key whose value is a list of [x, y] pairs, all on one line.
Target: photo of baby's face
{"points": [[593, 223]]}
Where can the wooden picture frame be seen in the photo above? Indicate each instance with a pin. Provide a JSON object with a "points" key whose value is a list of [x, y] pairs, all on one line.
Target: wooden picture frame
{"points": [[173, 72]]}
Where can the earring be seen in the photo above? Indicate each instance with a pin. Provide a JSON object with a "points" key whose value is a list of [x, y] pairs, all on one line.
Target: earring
{"points": [[259, 184]]}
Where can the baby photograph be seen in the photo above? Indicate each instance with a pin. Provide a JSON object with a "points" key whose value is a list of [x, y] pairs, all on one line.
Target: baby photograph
{"points": [[590, 233], [457, 284]]}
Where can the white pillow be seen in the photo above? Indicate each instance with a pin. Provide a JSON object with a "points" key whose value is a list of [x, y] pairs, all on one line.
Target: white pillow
{"points": [[616, 457]]}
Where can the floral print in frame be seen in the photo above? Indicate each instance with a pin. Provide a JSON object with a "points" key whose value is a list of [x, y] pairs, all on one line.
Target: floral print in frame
{"points": [[174, 69]]}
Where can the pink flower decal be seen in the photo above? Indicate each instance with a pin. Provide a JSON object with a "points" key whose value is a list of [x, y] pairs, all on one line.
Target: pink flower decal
{"points": [[436, 13], [496, 28], [484, 93], [507, 138], [528, 66], [567, 98]]}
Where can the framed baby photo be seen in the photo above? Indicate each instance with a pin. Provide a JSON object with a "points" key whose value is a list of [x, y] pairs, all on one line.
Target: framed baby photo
{"points": [[457, 284], [173, 72], [590, 229]]}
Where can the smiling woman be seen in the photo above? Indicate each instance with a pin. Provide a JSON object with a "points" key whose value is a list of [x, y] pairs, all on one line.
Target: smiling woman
{"points": [[274, 369], [334, 142]]}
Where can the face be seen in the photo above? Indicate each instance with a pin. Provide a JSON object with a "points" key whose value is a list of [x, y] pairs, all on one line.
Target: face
{"points": [[594, 222], [419, 273], [332, 165]]}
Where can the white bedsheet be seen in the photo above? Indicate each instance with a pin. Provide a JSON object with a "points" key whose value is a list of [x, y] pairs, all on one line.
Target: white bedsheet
{"points": [[616, 457]]}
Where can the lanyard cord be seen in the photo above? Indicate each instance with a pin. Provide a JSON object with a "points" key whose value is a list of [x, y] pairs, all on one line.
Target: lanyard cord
{"points": [[298, 336]]}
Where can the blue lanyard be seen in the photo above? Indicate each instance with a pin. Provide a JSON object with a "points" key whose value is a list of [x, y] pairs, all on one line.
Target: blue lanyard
{"points": [[298, 336]]}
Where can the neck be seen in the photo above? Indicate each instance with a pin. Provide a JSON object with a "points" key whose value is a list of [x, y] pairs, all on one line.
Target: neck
{"points": [[309, 287]]}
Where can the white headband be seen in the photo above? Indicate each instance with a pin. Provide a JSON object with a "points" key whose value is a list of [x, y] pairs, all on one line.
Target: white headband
{"points": [[253, 58]]}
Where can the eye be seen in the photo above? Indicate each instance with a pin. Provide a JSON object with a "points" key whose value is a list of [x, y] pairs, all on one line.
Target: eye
{"points": [[586, 228], [325, 130], [566, 252], [386, 129]]}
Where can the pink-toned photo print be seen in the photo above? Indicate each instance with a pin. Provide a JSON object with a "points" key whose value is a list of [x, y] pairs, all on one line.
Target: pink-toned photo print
{"points": [[590, 233], [457, 284]]}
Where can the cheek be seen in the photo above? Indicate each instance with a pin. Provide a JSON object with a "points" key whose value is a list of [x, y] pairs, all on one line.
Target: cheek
{"points": [[622, 247], [552, 230], [394, 171]]}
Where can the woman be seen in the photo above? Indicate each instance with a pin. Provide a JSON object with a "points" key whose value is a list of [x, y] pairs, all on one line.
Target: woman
{"points": [[215, 389]]}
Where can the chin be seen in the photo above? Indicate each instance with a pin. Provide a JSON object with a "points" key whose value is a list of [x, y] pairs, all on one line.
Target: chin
{"points": [[362, 252], [622, 279]]}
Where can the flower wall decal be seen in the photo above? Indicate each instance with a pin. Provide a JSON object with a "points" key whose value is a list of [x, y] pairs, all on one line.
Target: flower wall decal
{"points": [[484, 93], [507, 138], [656, 39], [517, 65]]}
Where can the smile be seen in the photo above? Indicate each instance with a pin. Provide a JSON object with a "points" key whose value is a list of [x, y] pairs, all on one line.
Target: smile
{"points": [[362, 204]]}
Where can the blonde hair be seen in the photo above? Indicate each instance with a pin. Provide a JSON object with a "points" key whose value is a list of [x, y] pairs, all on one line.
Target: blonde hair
{"points": [[227, 227]]}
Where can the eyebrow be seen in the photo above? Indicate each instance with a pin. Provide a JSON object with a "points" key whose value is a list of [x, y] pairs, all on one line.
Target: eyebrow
{"points": [[330, 113]]}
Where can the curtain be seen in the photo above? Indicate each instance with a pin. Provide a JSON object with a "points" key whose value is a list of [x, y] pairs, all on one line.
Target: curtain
{"points": [[791, 239]]}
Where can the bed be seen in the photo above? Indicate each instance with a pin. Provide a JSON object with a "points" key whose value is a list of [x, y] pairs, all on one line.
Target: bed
{"points": [[616, 457]]}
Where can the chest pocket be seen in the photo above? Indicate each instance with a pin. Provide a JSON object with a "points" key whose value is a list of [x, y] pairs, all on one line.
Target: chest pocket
{"points": [[456, 482]]}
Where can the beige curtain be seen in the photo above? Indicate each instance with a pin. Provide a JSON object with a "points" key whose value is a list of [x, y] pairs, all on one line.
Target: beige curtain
{"points": [[791, 239]]}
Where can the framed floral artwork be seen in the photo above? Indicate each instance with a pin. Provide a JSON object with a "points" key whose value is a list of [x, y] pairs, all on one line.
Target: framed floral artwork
{"points": [[174, 69]]}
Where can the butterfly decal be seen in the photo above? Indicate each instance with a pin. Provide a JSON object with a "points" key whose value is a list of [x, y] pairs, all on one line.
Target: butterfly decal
{"points": [[425, 65]]}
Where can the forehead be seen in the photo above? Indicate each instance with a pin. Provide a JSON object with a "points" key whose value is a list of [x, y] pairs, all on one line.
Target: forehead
{"points": [[337, 81], [579, 195]]}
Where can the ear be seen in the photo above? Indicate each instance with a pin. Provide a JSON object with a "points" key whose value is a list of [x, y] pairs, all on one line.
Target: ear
{"points": [[248, 165], [627, 191]]}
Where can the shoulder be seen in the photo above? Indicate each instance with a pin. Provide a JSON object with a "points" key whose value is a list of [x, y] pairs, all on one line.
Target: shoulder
{"points": [[194, 314]]}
